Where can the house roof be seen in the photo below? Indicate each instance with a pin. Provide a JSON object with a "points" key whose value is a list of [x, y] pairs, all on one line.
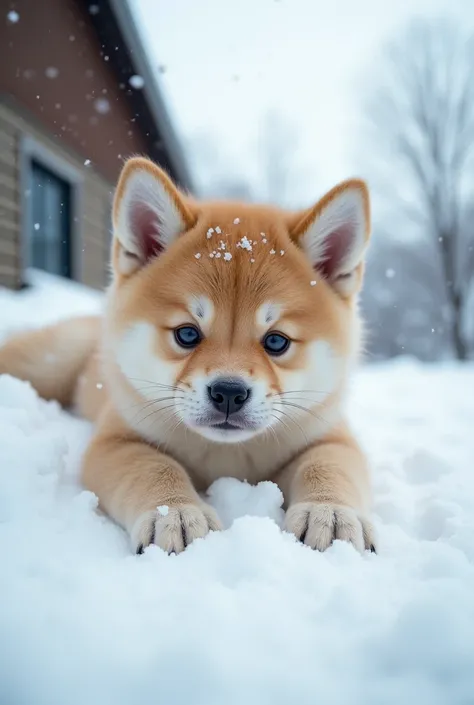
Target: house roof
{"points": [[121, 42]]}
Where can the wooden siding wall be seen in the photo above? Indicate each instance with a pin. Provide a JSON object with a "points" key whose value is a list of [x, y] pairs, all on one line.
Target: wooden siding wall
{"points": [[95, 196]]}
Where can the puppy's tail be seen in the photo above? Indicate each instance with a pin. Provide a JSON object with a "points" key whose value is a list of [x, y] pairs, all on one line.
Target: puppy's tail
{"points": [[52, 358]]}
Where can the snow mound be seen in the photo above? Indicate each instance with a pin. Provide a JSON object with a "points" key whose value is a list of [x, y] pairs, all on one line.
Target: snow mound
{"points": [[246, 616]]}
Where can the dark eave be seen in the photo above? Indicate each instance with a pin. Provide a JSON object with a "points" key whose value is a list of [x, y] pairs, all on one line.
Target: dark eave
{"points": [[121, 42]]}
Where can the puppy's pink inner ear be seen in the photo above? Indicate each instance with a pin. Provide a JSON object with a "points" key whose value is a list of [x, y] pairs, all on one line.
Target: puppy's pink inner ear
{"points": [[145, 226], [337, 247]]}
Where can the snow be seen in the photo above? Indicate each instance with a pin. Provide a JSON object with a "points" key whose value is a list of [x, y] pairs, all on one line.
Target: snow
{"points": [[245, 244], [246, 616], [13, 16], [52, 72], [102, 105], [136, 82]]}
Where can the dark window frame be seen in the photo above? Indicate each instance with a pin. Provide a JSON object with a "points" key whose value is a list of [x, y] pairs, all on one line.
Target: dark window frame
{"points": [[49, 219], [35, 152]]}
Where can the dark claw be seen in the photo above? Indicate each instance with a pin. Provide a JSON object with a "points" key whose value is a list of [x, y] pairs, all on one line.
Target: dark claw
{"points": [[141, 547], [305, 530], [183, 534], [372, 548]]}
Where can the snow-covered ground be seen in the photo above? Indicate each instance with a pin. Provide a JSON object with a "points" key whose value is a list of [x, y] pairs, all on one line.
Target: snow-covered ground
{"points": [[247, 616]]}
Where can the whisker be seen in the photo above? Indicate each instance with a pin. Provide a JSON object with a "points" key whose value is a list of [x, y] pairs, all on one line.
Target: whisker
{"points": [[303, 408], [150, 382], [312, 401], [165, 444], [271, 430], [299, 391], [158, 389], [289, 416], [148, 402], [283, 423], [146, 405], [156, 411]]}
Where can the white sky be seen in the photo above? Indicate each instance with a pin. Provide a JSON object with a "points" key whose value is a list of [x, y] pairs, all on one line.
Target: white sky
{"points": [[307, 59]]}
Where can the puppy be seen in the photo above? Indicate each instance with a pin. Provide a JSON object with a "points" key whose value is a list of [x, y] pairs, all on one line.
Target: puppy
{"points": [[228, 337]]}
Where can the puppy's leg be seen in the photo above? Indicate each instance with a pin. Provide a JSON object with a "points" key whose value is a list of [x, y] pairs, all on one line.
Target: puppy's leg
{"points": [[327, 490], [144, 490], [52, 358]]}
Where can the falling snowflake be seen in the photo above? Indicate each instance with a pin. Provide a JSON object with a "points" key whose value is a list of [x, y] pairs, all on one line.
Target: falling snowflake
{"points": [[13, 17], [94, 9], [211, 255], [163, 510], [198, 255], [218, 230], [209, 233], [245, 244], [136, 81], [252, 260], [312, 283], [282, 252], [264, 240], [390, 273], [272, 252], [37, 226], [227, 256], [52, 72], [102, 105], [87, 162], [217, 254], [99, 385], [236, 221]]}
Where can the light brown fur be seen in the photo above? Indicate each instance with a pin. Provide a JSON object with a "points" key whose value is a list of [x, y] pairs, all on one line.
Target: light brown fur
{"points": [[142, 455]]}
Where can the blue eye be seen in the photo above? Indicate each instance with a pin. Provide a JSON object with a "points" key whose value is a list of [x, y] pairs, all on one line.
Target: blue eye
{"points": [[276, 343], [187, 336]]}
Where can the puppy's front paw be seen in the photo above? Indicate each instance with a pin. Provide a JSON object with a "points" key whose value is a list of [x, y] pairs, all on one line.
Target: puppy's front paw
{"points": [[174, 527], [318, 525]]}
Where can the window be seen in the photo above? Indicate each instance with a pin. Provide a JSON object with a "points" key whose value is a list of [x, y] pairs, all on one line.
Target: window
{"points": [[49, 221], [51, 198]]}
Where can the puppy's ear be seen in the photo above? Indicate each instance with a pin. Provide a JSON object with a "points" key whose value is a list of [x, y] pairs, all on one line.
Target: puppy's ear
{"points": [[334, 235], [149, 213]]}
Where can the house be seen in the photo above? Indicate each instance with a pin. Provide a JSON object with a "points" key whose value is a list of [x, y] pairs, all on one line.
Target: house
{"points": [[77, 96]]}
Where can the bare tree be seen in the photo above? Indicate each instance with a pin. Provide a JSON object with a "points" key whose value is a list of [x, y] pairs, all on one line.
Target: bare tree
{"points": [[421, 121]]}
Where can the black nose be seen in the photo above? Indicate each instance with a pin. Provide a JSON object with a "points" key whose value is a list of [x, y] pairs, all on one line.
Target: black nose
{"points": [[228, 395]]}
